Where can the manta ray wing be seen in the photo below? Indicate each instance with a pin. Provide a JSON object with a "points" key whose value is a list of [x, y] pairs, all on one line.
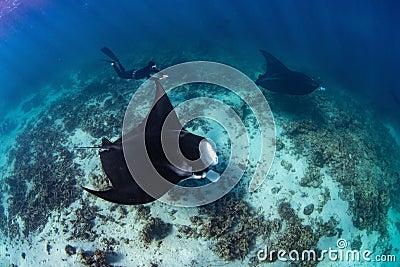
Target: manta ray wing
{"points": [[278, 78], [125, 189], [274, 66]]}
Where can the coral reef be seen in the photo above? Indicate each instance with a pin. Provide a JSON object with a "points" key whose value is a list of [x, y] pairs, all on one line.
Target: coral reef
{"points": [[84, 115], [312, 178], [356, 243], [143, 212], [98, 258], [43, 178], [93, 259], [286, 165], [198, 123], [286, 212], [326, 196], [70, 250], [44, 174], [233, 224], [295, 236], [3, 217], [155, 229], [308, 209], [279, 144], [82, 226], [356, 150]]}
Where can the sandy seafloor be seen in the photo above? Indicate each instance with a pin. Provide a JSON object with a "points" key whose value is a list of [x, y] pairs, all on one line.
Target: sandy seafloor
{"points": [[353, 192]]}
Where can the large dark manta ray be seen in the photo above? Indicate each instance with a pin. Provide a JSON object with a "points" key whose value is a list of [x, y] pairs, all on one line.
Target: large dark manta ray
{"points": [[278, 78], [125, 190]]}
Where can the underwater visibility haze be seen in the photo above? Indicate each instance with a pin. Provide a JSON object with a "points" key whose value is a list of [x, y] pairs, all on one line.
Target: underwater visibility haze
{"points": [[305, 140]]}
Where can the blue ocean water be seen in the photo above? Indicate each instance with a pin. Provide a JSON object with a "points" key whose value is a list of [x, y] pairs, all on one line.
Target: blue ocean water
{"points": [[350, 44], [328, 150]]}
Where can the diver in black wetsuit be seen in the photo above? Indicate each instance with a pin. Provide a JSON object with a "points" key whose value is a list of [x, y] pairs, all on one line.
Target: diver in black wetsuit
{"points": [[130, 74]]}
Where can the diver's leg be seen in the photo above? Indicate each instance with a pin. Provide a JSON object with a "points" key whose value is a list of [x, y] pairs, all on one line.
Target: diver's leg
{"points": [[122, 73], [118, 70], [121, 67]]}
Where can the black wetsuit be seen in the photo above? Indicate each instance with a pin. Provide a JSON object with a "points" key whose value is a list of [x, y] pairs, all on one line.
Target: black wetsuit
{"points": [[134, 74], [131, 74]]}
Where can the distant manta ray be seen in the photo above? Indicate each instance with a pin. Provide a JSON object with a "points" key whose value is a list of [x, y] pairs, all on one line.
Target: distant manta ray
{"points": [[150, 155], [278, 78]]}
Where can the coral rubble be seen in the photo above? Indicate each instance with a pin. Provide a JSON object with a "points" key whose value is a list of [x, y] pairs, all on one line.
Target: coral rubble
{"points": [[44, 175], [155, 229], [232, 223], [356, 150]]}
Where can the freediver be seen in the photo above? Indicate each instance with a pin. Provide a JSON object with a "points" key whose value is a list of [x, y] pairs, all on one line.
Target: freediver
{"points": [[130, 74]]}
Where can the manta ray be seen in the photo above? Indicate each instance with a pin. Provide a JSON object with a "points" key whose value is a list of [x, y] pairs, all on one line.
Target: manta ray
{"points": [[148, 158], [278, 78]]}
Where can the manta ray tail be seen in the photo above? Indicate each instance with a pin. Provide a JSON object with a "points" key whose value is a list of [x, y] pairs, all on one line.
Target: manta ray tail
{"points": [[88, 147], [105, 145]]}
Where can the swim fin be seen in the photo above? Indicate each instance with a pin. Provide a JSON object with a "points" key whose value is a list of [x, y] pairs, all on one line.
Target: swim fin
{"points": [[109, 53]]}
